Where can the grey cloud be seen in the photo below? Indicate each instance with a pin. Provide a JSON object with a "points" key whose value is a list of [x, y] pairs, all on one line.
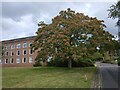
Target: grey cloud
{"points": [[16, 15], [15, 9]]}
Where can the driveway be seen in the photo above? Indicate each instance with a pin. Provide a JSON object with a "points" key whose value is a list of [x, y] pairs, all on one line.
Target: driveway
{"points": [[110, 76]]}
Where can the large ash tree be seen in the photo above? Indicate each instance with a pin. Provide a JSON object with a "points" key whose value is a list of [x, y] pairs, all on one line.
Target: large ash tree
{"points": [[71, 36]]}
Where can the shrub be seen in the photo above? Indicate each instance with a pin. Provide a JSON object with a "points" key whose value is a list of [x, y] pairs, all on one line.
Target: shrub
{"points": [[37, 64], [61, 63], [119, 61]]}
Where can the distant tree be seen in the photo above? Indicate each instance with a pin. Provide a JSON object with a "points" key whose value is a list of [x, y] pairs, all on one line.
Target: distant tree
{"points": [[71, 36], [114, 12]]}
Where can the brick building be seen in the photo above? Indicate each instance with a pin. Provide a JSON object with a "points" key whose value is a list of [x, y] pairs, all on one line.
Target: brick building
{"points": [[17, 52]]}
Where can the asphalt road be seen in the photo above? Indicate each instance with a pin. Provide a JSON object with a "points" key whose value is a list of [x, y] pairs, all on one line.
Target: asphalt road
{"points": [[110, 76]]}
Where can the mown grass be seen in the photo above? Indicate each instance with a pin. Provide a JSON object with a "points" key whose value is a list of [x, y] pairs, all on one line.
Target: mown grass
{"points": [[47, 77]]}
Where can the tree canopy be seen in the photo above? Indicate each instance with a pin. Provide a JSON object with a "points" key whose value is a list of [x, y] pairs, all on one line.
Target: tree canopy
{"points": [[114, 10], [71, 36]]}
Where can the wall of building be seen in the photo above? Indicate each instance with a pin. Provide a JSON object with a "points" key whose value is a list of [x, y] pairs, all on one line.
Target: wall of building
{"points": [[21, 59]]}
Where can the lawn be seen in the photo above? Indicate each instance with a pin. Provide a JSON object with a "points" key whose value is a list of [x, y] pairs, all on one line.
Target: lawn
{"points": [[47, 77]]}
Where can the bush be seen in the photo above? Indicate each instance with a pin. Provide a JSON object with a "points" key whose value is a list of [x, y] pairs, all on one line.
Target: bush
{"points": [[37, 64], [60, 63], [119, 61]]}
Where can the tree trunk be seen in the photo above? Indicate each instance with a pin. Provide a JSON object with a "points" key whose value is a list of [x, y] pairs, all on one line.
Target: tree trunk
{"points": [[70, 63]]}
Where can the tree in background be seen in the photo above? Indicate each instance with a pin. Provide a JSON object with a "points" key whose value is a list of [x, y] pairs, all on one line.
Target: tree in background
{"points": [[114, 12], [71, 37]]}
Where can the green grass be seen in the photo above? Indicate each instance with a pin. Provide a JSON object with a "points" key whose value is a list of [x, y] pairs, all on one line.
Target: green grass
{"points": [[47, 77]]}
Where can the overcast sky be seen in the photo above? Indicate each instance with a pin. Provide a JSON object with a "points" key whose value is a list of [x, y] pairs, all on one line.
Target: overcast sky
{"points": [[20, 19]]}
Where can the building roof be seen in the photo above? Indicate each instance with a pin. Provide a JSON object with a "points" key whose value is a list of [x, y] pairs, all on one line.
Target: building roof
{"points": [[18, 39]]}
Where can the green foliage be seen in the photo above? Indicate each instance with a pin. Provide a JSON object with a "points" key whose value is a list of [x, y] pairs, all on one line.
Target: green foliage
{"points": [[118, 60], [114, 10], [72, 37], [78, 63], [37, 64], [97, 56]]}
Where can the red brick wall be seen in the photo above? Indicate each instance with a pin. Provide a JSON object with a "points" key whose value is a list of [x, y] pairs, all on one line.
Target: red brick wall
{"points": [[21, 56]]}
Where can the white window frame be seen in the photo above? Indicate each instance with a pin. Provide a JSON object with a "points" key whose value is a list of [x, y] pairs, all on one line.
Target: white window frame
{"points": [[23, 60], [17, 60], [18, 45], [0, 61], [6, 53], [24, 45], [30, 51], [5, 61], [17, 53], [6, 47], [30, 60], [11, 53], [30, 43], [23, 52], [12, 46], [11, 60]]}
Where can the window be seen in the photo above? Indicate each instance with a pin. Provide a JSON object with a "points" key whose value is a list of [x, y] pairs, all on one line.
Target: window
{"points": [[6, 47], [24, 45], [30, 51], [6, 61], [18, 45], [0, 61], [30, 44], [24, 52], [30, 60], [18, 53], [12, 53], [24, 60], [17, 60], [11, 60], [12, 46], [6, 54]]}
